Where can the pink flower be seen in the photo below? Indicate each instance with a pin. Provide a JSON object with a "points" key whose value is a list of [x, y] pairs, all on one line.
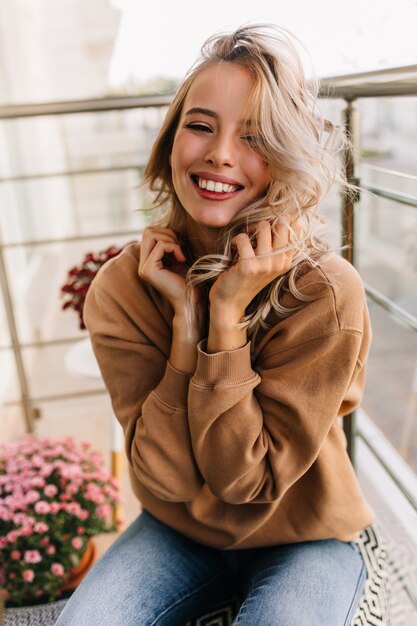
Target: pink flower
{"points": [[12, 536], [42, 507], [57, 569], [77, 543], [19, 518], [104, 511], [32, 556], [71, 471], [50, 491], [28, 575], [95, 497], [6, 515], [37, 481], [73, 507], [35, 509], [32, 496], [46, 470]]}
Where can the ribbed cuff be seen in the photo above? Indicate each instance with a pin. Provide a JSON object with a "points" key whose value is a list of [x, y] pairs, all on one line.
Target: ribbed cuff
{"points": [[229, 367], [173, 388]]}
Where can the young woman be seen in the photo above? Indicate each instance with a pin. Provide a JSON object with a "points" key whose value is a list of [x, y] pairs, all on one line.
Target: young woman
{"points": [[231, 341]]}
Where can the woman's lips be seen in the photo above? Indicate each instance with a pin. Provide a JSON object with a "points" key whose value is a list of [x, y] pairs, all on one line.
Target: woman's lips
{"points": [[213, 195]]}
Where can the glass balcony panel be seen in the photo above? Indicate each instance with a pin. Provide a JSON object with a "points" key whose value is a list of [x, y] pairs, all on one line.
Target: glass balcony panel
{"points": [[49, 373], [71, 206], [389, 132], [390, 397], [386, 235], [9, 382], [82, 141], [39, 273], [4, 329]]}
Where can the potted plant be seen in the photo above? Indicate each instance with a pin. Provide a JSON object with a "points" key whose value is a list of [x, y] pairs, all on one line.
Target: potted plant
{"points": [[79, 279], [55, 495]]}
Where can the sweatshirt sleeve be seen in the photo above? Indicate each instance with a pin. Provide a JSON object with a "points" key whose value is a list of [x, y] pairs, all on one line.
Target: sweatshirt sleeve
{"points": [[265, 422], [148, 395]]}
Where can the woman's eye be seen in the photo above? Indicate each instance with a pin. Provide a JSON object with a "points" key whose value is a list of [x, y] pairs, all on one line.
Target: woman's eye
{"points": [[201, 127]]}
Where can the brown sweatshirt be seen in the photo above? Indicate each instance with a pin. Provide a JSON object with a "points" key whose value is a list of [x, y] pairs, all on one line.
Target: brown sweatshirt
{"points": [[249, 450]]}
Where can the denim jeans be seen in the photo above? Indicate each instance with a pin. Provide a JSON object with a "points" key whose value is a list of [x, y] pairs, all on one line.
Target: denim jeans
{"points": [[155, 575]]}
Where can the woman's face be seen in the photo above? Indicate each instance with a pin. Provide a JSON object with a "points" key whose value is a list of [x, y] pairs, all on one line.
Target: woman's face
{"points": [[216, 171]]}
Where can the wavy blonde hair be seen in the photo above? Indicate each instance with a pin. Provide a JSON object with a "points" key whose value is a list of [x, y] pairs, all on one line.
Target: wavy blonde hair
{"points": [[299, 145]]}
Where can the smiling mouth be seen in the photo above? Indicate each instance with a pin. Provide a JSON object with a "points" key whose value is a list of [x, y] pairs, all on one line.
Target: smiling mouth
{"points": [[213, 186]]}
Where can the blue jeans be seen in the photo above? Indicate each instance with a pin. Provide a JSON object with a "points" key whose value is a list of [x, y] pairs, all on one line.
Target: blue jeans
{"points": [[154, 575]]}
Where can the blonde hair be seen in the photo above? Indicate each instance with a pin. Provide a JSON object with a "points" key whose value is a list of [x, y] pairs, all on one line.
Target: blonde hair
{"points": [[298, 144]]}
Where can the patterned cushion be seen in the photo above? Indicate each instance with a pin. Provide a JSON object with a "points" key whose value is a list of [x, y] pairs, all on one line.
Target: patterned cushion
{"points": [[38, 615], [373, 609]]}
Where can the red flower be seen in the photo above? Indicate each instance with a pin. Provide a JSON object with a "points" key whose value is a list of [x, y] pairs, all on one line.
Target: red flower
{"points": [[79, 279]]}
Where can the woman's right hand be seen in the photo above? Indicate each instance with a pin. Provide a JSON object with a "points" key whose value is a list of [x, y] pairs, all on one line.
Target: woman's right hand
{"points": [[163, 264]]}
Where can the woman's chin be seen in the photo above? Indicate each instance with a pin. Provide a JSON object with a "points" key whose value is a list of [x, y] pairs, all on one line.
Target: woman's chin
{"points": [[213, 221]]}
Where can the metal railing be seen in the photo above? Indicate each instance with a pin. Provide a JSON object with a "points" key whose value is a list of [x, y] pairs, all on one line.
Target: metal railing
{"points": [[391, 82]]}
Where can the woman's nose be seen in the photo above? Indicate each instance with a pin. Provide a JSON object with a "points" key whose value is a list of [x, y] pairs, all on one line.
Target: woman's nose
{"points": [[221, 151]]}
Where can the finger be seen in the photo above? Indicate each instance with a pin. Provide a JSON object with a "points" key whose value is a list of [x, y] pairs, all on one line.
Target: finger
{"points": [[152, 235], [160, 229], [280, 235], [263, 238], [282, 246], [297, 229], [162, 248], [243, 246], [150, 240]]}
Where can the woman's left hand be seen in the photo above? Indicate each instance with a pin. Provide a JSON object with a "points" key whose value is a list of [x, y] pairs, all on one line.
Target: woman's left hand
{"points": [[256, 267]]}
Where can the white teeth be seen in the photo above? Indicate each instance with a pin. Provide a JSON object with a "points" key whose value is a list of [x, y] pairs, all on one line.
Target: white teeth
{"points": [[216, 186]]}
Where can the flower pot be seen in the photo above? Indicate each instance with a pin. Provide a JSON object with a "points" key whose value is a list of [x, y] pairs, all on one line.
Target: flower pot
{"points": [[51, 491], [40, 612]]}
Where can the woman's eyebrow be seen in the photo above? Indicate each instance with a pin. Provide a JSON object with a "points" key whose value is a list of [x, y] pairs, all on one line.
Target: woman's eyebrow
{"points": [[210, 113], [202, 111]]}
